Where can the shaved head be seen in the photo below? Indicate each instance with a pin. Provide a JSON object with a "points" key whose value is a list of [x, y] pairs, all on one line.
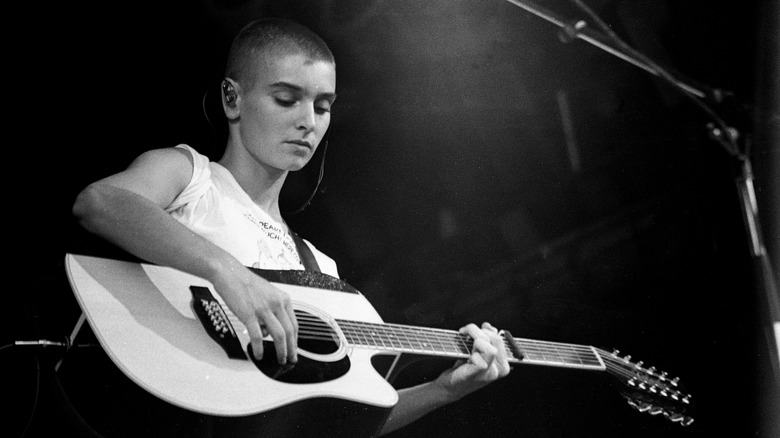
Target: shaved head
{"points": [[274, 37]]}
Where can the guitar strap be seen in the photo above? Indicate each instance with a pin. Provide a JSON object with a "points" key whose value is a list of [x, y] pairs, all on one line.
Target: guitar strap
{"points": [[304, 252]]}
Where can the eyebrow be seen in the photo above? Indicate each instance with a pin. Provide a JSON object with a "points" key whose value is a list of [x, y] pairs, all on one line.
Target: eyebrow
{"points": [[298, 88]]}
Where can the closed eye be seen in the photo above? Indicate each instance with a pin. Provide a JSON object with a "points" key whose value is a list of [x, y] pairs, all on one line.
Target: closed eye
{"points": [[285, 102]]}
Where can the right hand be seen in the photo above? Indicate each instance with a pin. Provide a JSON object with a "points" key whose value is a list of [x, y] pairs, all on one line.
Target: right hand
{"points": [[264, 309]]}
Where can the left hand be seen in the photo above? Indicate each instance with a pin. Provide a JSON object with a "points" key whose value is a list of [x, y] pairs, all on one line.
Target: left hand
{"points": [[487, 363]]}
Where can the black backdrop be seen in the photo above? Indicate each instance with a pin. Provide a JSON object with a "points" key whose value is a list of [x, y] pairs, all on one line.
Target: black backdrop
{"points": [[479, 168]]}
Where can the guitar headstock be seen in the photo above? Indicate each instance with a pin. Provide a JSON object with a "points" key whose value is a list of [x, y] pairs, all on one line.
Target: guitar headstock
{"points": [[649, 390]]}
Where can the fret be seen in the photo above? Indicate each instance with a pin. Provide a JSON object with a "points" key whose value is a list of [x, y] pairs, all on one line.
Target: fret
{"points": [[439, 340], [348, 335], [394, 342], [376, 339], [565, 355], [406, 343], [449, 343], [451, 346], [419, 339], [460, 345], [361, 330], [444, 342], [430, 342], [356, 334], [378, 331], [419, 342], [399, 339]]}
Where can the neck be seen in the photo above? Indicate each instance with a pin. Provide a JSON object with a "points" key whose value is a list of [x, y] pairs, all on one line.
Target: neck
{"points": [[451, 344], [262, 183]]}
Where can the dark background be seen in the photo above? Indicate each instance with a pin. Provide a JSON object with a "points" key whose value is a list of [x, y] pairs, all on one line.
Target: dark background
{"points": [[452, 192]]}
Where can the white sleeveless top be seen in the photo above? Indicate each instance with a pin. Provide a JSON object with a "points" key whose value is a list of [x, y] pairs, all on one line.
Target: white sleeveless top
{"points": [[215, 206]]}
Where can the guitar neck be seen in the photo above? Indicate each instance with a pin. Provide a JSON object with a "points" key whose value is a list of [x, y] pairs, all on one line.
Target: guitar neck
{"points": [[452, 344]]}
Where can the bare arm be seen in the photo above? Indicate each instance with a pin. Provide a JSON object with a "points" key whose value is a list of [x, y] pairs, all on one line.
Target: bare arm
{"points": [[127, 209], [487, 363]]}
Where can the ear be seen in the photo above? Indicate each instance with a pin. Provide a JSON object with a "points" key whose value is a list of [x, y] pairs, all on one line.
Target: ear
{"points": [[230, 98]]}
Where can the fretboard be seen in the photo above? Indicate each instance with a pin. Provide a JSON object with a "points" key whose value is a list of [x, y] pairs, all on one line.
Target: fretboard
{"points": [[450, 343]]}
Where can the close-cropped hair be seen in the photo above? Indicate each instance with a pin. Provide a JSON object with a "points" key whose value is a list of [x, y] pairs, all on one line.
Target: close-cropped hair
{"points": [[272, 37]]}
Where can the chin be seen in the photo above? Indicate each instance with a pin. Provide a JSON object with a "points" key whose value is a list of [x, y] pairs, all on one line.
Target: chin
{"points": [[297, 165]]}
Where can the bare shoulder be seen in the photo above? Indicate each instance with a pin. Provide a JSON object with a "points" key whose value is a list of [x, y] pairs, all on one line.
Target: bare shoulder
{"points": [[164, 158], [157, 174]]}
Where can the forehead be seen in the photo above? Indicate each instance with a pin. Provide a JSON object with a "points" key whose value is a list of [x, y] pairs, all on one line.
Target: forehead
{"points": [[311, 75]]}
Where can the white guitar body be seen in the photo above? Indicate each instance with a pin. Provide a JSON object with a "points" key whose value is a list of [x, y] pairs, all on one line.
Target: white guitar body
{"points": [[144, 319]]}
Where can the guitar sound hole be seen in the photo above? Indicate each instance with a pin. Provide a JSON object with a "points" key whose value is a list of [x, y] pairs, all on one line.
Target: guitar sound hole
{"points": [[314, 336]]}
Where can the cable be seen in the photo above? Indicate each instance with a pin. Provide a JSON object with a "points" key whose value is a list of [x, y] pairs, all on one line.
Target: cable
{"points": [[43, 343], [320, 175]]}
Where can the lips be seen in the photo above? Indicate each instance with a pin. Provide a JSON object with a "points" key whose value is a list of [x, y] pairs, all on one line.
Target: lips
{"points": [[303, 143]]}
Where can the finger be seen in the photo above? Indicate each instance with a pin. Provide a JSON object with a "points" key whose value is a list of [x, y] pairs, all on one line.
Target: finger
{"points": [[279, 336], [477, 360], [473, 331], [501, 361], [289, 325], [488, 327], [486, 349], [498, 342], [255, 338], [291, 312]]}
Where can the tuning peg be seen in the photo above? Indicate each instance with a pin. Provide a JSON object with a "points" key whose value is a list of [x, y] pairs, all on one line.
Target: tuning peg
{"points": [[655, 410], [627, 359], [687, 399], [653, 389], [674, 417], [631, 382], [675, 381], [678, 418]]}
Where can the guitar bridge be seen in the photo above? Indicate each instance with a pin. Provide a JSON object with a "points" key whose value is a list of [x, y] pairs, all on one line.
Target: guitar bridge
{"points": [[213, 318]]}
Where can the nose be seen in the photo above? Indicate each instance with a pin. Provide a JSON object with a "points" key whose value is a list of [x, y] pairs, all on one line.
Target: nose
{"points": [[307, 118]]}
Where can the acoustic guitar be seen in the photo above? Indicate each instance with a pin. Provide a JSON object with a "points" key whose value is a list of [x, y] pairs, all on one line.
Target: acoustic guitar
{"points": [[172, 336]]}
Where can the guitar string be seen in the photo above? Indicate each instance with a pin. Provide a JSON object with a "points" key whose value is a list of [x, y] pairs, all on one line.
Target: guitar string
{"points": [[529, 347], [401, 335], [632, 371], [618, 365], [313, 328], [407, 337], [443, 339], [536, 347], [628, 369]]}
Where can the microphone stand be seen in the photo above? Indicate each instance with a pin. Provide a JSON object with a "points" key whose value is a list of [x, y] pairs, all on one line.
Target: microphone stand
{"points": [[719, 131]]}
